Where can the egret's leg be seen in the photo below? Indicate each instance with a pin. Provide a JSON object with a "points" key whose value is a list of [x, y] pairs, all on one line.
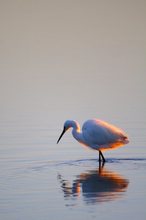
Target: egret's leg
{"points": [[101, 156]]}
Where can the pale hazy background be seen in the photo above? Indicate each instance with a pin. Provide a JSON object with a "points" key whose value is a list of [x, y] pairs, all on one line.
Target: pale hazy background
{"points": [[73, 59]]}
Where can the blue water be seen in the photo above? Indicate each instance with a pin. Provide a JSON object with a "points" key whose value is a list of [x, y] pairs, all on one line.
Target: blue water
{"points": [[42, 180]]}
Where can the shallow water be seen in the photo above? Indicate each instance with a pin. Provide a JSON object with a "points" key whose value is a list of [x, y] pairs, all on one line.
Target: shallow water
{"points": [[42, 180]]}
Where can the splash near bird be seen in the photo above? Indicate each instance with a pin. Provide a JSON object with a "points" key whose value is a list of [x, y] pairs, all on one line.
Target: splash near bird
{"points": [[96, 134]]}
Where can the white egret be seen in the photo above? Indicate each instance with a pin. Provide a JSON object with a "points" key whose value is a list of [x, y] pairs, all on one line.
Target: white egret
{"points": [[96, 134]]}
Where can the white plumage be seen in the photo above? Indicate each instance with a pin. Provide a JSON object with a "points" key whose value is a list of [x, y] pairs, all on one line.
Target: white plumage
{"points": [[96, 134]]}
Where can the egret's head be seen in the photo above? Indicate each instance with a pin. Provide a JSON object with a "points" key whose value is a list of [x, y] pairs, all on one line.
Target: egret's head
{"points": [[67, 125]]}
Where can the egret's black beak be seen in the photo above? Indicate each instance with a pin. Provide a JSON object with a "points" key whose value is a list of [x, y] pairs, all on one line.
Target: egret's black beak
{"points": [[64, 130]]}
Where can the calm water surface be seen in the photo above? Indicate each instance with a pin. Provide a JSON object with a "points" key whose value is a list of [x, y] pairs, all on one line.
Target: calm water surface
{"points": [[42, 180]]}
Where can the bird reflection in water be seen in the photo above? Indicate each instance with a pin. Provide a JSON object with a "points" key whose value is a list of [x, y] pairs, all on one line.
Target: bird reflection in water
{"points": [[99, 185]]}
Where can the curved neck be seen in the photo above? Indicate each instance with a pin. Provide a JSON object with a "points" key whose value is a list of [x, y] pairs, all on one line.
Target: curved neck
{"points": [[76, 132], [75, 125]]}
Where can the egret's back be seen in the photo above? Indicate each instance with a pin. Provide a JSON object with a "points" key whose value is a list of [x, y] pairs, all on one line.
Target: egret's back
{"points": [[102, 135]]}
